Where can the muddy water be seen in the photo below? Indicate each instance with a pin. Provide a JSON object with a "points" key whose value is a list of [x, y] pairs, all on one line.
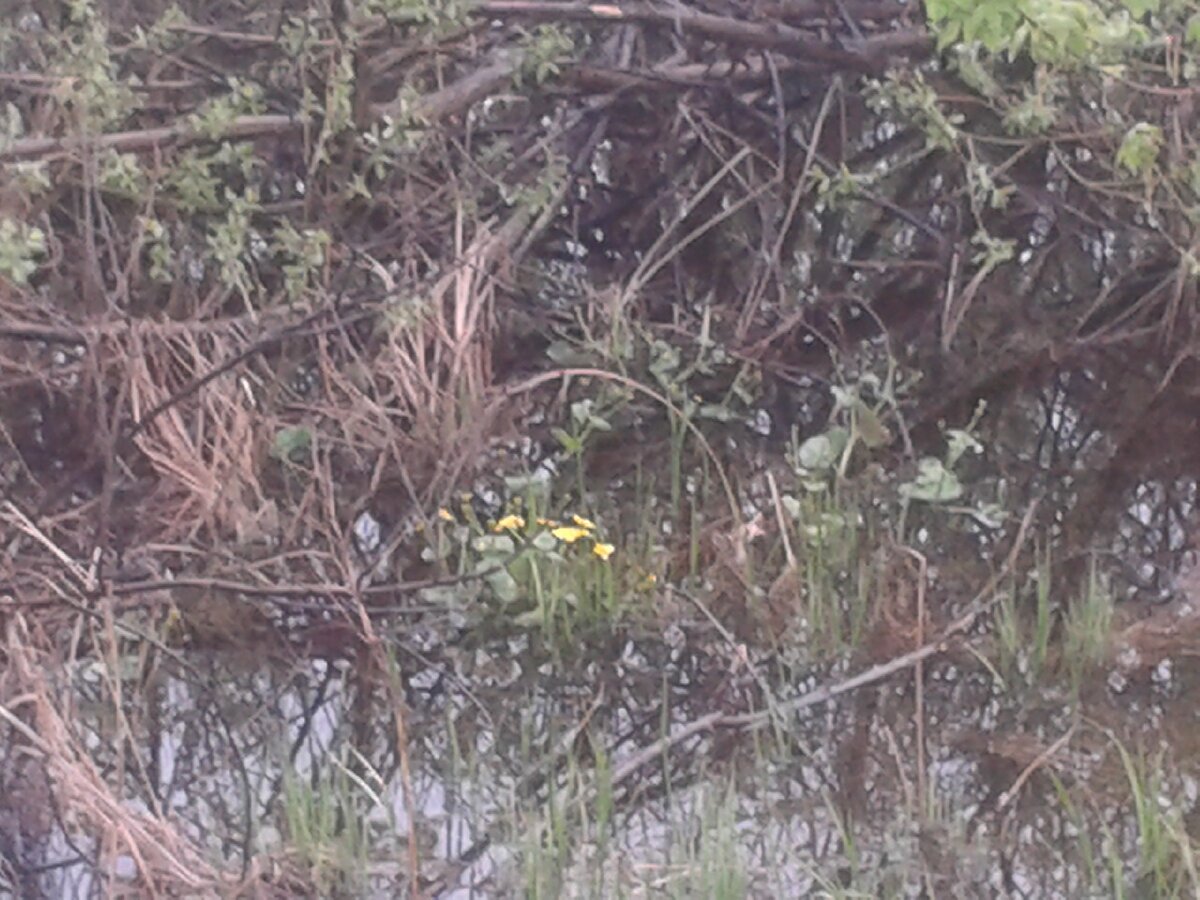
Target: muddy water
{"points": [[831, 800]]}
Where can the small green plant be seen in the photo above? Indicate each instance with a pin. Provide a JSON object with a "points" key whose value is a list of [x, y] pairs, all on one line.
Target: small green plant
{"points": [[228, 244], [213, 119], [164, 34], [836, 190], [915, 100], [545, 49], [292, 444], [1087, 629], [20, 245], [987, 194], [861, 410], [388, 141], [673, 372], [302, 254], [1036, 112], [1139, 149], [325, 826], [586, 420], [156, 243], [441, 16], [543, 192], [704, 849], [1066, 33], [557, 576], [835, 588], [548, 844], [1165, 848], [29, 176], [193, 183], [92, 90], [1039, 645], [1027, 626], [1076, 817], [937, 482], [122, 174], [1009, 635], [1024, 629]]}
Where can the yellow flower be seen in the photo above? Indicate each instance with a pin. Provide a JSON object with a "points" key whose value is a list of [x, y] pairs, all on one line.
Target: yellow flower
{"points": [[569, 535], [173, 625], [509, 523], [445, 515], [604, 551], [584, 523]]}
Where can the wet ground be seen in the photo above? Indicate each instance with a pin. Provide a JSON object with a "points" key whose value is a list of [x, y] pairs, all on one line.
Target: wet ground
{"points": [[918, 617], [1002, 783]]}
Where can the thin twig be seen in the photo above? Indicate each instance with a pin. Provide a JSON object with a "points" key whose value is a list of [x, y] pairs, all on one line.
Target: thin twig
{"points": [[919, 677], [982, 601], [1042, 758]]}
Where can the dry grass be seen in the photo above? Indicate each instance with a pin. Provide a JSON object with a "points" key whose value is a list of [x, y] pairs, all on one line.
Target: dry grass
{"points": [[207, 452], [139, 416], [39, 715]]}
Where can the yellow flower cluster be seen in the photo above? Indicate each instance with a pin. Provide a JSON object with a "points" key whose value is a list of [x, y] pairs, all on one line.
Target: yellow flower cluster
{"points": [[579, 529], [511, 522], [582, 528]]}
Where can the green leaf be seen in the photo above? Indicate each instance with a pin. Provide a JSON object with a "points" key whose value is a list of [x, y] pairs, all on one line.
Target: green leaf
{"points": [[869, 427], [567, 355], [1192, 34], [990, 515], [824, 450], [449, 595], [19, 245], [503, 585], [545, 542], [531, 618], [571, 444], [974, 72], [844, 398], [937, 10], [717, 412], [536, 482], [432, 554], [991, 24], [581, 411], [291, 442], [1139, 149], [1032, 116], [959, 442], [666, 360], [934, 483], [1138, 8], [493, 545]]}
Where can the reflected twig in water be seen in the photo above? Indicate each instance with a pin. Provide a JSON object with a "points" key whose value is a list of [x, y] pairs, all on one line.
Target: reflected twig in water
{"points": [[982, 601]]}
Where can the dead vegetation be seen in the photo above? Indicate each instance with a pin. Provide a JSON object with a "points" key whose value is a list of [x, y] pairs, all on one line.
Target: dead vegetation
{"points": [[298, 264]]}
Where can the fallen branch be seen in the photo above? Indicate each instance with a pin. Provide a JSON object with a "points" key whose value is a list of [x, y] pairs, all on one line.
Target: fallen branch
{"points": [[241, 128], [763, 35], [451, 100], [983, 601]]}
